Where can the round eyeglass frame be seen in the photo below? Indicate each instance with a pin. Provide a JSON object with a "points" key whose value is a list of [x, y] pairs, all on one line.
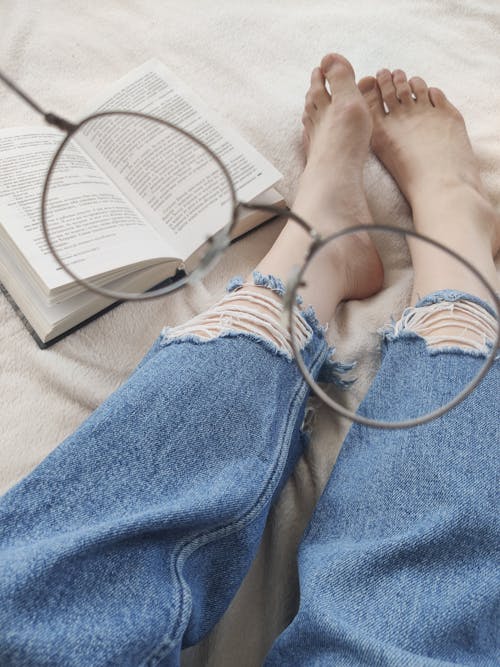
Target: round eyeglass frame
{"points": [[218, 241], [221, 240]]}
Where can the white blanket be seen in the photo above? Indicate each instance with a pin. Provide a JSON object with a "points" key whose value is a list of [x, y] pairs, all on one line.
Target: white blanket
{"points": [[251, 61]]}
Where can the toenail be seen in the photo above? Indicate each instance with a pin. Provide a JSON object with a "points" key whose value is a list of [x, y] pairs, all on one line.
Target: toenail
{"points": [[380, 72]]}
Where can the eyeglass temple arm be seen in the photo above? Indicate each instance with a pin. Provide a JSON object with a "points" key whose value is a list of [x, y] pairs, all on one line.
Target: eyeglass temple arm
{"points": [[50, 118]]}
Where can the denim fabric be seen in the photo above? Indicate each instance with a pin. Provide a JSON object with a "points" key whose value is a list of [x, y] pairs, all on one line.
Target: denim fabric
{"points": [[128, 541], [399, 564]]}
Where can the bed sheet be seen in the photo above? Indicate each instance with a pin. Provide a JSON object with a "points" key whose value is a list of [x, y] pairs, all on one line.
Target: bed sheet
{"points": [[251, 62]]}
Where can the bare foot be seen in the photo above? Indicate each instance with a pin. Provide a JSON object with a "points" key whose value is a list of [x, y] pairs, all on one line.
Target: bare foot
{"points": [[337, 130], [330, 196], [423, 142]]}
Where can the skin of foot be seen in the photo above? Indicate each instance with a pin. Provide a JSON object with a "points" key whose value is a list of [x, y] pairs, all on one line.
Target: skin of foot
{"points": [[337, 127], [423, 143]]}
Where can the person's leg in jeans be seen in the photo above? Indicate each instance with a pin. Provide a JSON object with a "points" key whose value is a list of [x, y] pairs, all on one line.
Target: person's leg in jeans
{"points": [[128, 541], [398, 565]]}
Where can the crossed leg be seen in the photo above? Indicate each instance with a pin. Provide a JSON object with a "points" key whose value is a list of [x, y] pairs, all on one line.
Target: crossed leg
{"points": [[394, 566], [127, 543]]}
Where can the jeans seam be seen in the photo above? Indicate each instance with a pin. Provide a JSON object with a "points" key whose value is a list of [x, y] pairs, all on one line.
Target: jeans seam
{"points": [[195, 542]]}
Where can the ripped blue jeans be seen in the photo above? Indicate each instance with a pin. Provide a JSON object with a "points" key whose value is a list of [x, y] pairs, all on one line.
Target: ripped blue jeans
{"points": [[128, 542]]}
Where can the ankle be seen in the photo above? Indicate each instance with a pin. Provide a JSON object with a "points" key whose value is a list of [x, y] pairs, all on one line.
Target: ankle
{"points": [[431, 189], [329, 185], [454, 189], [458, 208]]}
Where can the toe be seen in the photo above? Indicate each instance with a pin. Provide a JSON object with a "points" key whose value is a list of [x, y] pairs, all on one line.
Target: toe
{"points": [[339, 73], [319, 94], [403, 90], [310, 107], [306, 142], [438, 98], [306, 133], [371, 92], [307, 122], [420, 90], [386, 85]]}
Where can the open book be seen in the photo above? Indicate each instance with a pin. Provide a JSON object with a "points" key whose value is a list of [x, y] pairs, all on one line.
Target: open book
{"points": [[155, 238]]}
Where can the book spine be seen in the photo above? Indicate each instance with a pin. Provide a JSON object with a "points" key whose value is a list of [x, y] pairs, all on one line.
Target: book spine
{"points": [[21, 316]]}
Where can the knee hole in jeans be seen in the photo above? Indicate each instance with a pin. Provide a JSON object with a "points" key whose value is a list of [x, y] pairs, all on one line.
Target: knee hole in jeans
{"points": [[248, 309], [462, 323]]}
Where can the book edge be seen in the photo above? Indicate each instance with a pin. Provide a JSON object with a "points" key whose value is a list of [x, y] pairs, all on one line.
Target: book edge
{"points": [[43, 345]]}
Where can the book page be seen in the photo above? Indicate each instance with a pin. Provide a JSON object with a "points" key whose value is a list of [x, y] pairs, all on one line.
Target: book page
{"points": [[103, 232], [175, 184]]}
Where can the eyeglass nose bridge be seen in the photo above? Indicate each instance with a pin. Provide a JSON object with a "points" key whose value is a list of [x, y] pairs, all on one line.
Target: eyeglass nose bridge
{"points": [[218, 242], [60, 123]]}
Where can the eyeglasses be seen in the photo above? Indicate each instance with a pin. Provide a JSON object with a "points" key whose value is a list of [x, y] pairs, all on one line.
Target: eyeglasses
{"points": [[98, 216]]}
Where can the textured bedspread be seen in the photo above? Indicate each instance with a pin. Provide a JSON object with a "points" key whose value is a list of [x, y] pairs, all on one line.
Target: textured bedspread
{"points": [[251, 62]]}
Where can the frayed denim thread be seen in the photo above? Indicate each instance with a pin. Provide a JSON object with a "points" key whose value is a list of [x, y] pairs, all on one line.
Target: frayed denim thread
{"points": [[454, 295], [331, 370], [388, 334], [225, 333], [272, 282]]}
